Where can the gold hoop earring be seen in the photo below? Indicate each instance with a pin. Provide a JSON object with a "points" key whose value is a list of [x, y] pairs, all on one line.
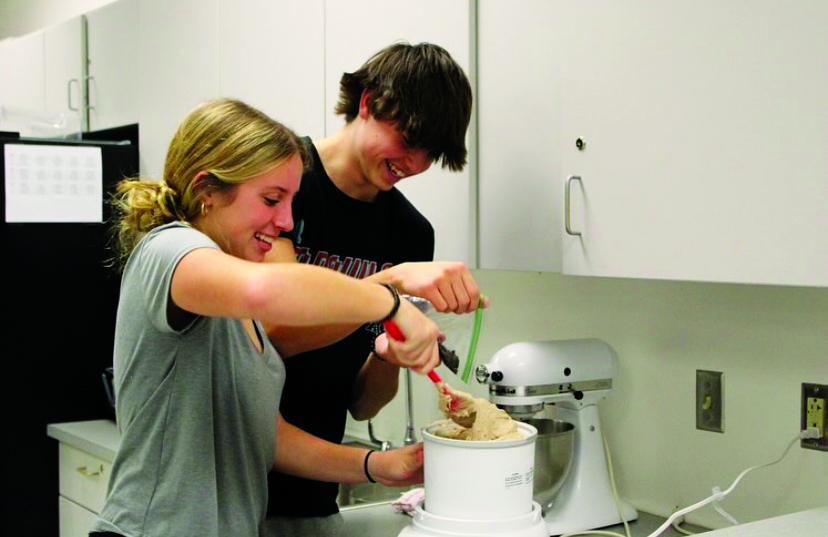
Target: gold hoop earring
{"points": [[203, 210]]}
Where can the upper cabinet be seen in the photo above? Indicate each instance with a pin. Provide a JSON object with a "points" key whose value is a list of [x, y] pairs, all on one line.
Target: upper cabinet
{"points": [[112, 44], [272, 56], [75, 76], [64, 70], [22, 84], [268, 54], [42, 90], [177, 69], [357, 29], [518, 136], [694, 134], [704, 152]]}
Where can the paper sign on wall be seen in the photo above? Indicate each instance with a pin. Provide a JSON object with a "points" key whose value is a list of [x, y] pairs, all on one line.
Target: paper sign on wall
{"points": [[53, 183]]}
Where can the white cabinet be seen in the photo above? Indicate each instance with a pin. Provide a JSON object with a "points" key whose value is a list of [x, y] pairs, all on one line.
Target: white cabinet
{"points": [[177, 69], [42, 87], [112, 44], [87, 60], [73, 520], [706, 151], [269, 55], [518, 136], [272, 56], [74, 76], [354, 31], [86, 450], [83, 481], [703, 152], [63, 68], [22, 83]]}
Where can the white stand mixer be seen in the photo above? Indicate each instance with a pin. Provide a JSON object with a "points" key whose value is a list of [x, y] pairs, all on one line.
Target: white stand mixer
{"points": [[574, 375]]}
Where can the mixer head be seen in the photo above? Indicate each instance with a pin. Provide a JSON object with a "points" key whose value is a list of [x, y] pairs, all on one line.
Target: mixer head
{"points": [[523, 376]]}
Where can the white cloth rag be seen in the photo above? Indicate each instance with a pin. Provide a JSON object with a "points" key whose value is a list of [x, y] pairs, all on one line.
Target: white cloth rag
{"points": [[409, 501]]}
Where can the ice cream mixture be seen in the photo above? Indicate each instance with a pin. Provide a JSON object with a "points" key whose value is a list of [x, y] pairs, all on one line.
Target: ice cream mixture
{"points": [[473, 419]]}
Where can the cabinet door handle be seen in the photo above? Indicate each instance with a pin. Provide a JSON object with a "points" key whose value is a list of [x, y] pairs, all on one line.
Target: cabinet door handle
{"points": [[69, 93], [83, 470], [567, 205], [90, 83]]}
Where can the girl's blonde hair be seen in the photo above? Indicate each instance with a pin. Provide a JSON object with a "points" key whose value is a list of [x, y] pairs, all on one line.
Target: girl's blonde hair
{"points": [[230, 140]]}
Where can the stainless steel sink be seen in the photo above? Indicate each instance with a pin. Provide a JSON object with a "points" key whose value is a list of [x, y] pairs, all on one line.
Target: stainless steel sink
{"points": [[354, 495], [366, 494]]}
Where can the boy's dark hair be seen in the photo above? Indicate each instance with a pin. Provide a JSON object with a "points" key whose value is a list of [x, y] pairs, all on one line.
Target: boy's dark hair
{"points": [[423, 90]]}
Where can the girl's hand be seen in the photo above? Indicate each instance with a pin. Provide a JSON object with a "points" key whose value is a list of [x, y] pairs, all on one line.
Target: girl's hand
{"points": [[397, 467], [418, 351]]}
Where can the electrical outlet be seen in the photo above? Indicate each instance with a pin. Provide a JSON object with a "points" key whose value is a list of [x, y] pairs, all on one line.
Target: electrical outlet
{"points": [[710, 400], [815, 414]]}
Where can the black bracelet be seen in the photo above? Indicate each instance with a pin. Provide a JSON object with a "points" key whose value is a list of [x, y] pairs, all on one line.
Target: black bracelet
{"points": [[396, 296], [365, 467]]}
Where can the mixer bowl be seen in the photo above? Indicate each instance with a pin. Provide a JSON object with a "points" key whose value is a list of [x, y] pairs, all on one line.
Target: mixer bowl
{"points": [[553, 458]]}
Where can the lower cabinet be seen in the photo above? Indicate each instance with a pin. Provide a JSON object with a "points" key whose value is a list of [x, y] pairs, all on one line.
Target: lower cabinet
{"points": [[82, 487], [75, 520]]}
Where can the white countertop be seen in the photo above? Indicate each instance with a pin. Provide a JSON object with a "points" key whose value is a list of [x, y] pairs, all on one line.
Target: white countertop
{"points": [[381, 520], [812, 523], [101, 438]]}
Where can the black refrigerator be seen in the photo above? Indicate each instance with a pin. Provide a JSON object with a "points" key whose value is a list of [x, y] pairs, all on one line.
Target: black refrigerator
{"points": [[60, 297]]}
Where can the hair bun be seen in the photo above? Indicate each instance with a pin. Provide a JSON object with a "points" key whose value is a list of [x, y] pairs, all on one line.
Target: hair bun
{"points": [[169, 203], [165, 192]]}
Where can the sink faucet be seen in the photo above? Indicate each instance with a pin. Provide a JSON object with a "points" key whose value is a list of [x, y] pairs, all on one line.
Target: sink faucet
{"points": [[410, 438], [384, 445]]}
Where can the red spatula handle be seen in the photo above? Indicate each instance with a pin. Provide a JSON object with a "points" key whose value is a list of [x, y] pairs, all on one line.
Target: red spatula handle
{"points": [[394, 331]]}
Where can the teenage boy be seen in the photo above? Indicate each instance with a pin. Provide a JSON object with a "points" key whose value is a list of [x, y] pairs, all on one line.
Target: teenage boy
{"points": [[405, 109]]}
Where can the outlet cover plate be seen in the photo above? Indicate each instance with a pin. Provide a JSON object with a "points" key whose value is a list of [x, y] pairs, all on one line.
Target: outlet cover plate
{"points": [[710, 400], [814, 395]]}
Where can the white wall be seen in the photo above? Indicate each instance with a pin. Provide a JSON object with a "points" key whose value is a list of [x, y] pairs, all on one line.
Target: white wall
{"points": [[767, 341], [19, 17]]}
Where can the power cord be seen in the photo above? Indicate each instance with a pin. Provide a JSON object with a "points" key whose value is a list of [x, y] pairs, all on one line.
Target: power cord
{"points": [[678, 517], [614, 499], [718, 495], [677, 526]]}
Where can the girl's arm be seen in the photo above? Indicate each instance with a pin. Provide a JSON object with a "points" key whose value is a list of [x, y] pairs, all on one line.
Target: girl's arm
{"points": [[211, 283], [304, 455]]}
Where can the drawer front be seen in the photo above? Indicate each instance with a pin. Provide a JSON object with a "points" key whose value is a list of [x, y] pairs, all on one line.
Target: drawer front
{"points": [[75, 521], [83, 478]]}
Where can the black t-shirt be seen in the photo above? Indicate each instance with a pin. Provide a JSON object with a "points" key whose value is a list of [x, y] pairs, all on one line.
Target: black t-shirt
{"points": [[356, 238]]}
